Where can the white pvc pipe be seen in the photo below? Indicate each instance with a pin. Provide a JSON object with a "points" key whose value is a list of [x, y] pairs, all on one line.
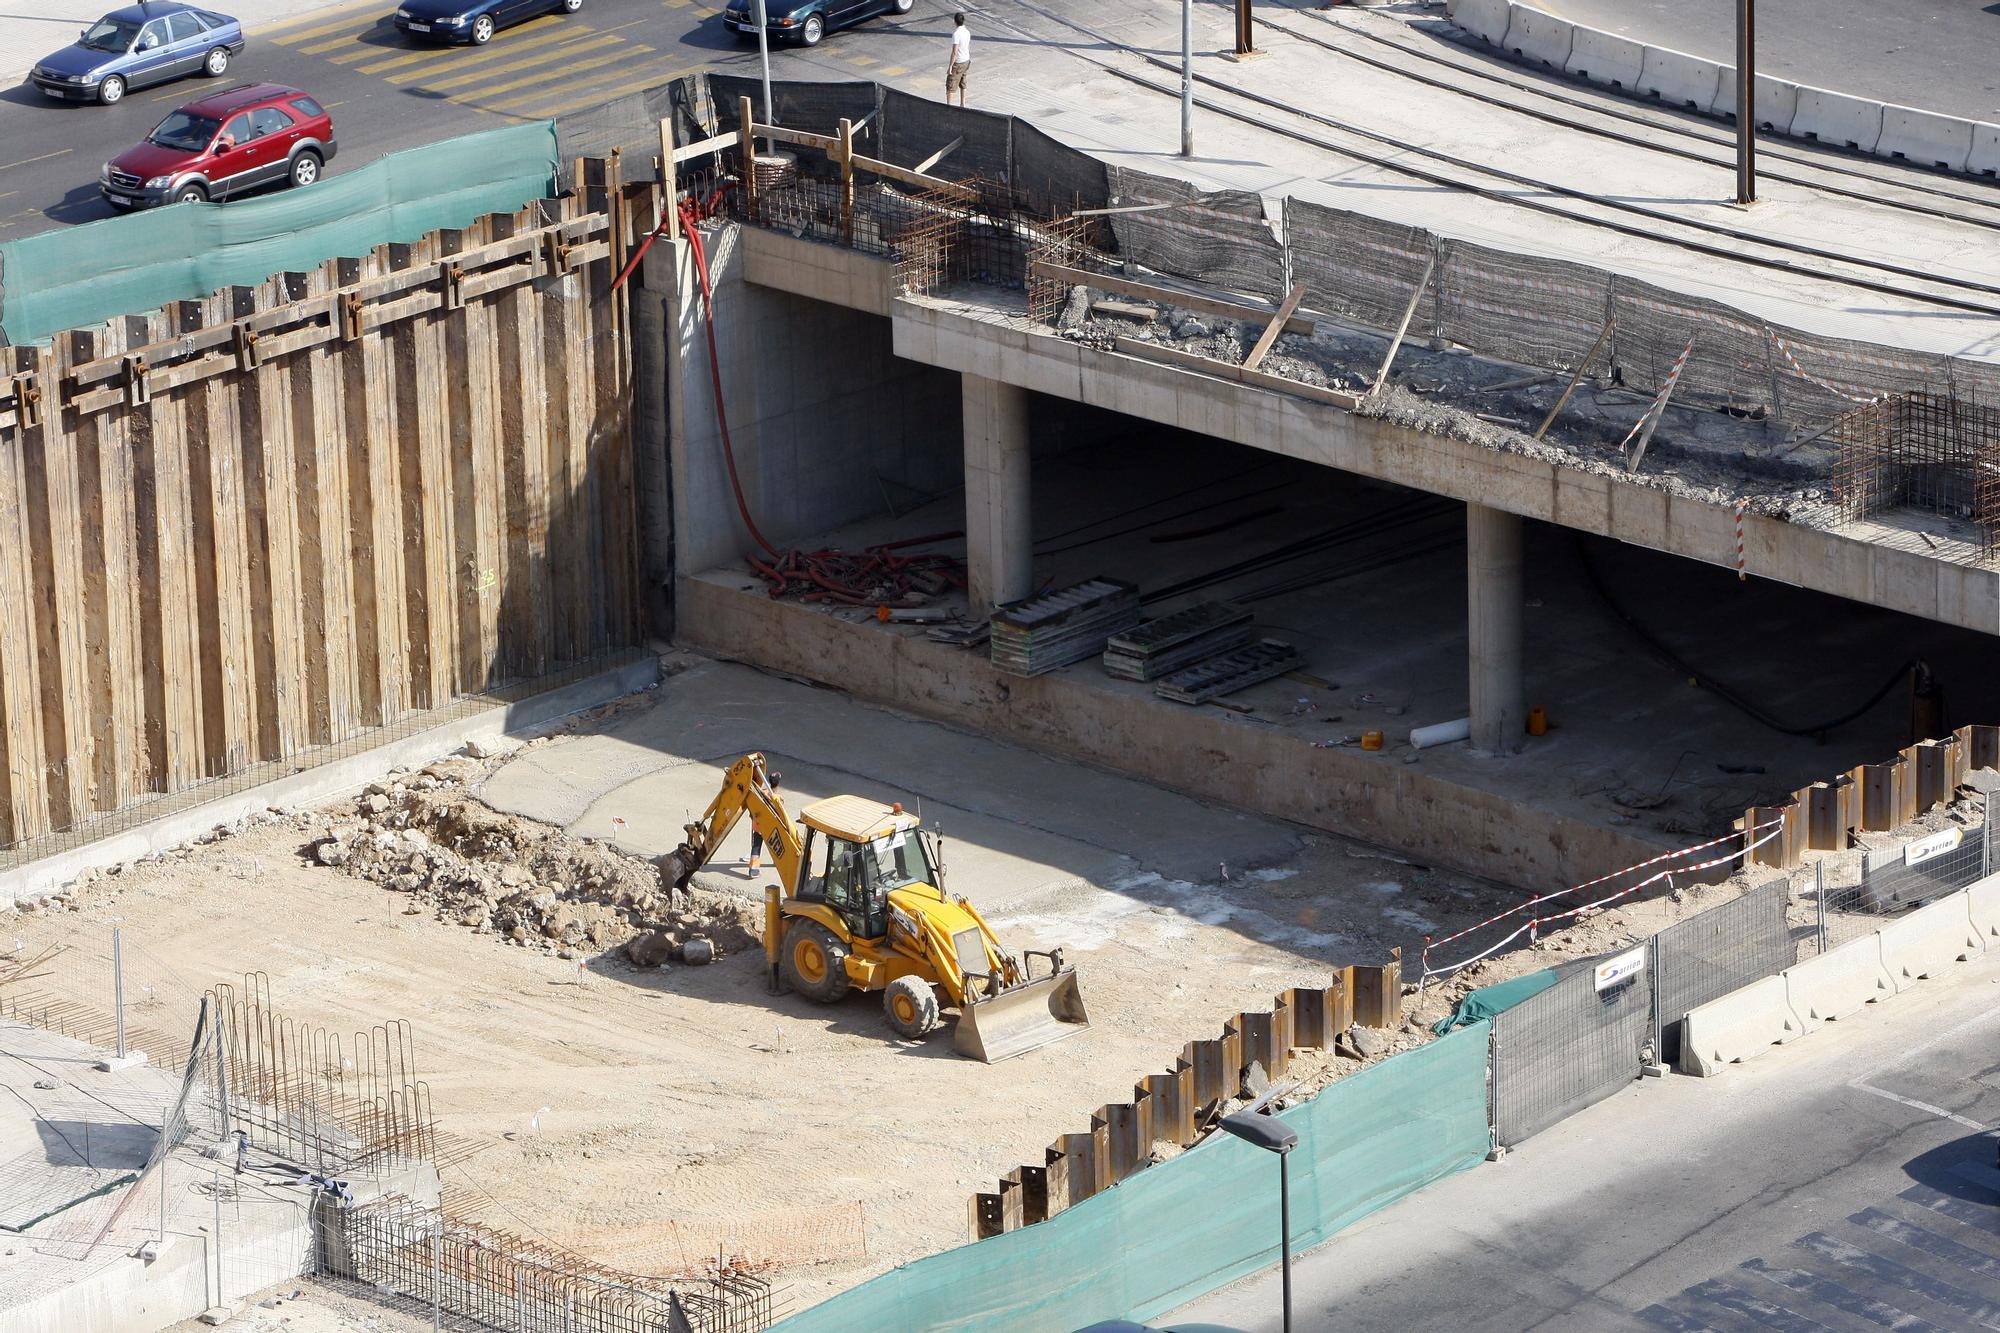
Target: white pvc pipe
{"points": [[1440, 733]]}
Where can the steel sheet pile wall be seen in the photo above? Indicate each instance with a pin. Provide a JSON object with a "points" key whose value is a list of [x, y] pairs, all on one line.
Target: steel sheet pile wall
{"points": [[1200, 1219], [244, 528], [1220, 238]]}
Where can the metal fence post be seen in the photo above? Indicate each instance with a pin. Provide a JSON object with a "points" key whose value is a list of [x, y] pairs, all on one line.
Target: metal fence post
{"points": [[1988, 854], [118, 985], [1654, 953], [1819, 894]]}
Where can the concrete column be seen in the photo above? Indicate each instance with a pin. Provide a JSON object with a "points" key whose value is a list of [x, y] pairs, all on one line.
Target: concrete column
{"points": [[999, 524], [1493, 620]]}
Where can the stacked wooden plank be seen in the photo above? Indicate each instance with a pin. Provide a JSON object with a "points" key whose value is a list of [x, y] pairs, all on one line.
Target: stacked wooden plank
{"points": [[1067, 625], [1166, 645], [1230, 672]]}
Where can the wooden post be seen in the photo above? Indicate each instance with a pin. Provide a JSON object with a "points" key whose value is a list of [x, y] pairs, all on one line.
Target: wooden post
{"points": [[847, 180], [748, 144], [1276, 327], [1409, 313], [1577, 378], [670, 192]]}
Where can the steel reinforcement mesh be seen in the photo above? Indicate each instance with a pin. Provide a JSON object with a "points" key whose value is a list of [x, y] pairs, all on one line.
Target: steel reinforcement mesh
{"points": [[1220, 238]]}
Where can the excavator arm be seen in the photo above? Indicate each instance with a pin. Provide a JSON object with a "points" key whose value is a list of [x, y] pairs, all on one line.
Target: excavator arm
{"points": [[746, 790]]}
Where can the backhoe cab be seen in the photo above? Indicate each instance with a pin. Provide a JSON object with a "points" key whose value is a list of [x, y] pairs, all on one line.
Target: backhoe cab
{"points": [[861, 905]]}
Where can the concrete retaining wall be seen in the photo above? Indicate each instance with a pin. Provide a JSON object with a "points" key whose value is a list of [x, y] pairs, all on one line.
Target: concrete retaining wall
{"points": [[1123, 727], [1924, 138]]}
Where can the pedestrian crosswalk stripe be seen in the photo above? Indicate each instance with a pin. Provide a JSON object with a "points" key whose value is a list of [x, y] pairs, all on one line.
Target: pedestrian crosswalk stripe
{"points": [[645, 77], [271, 30], [544, 75], [354, 22], [348, 38], [496, 58], [447, 58], [554, 61]]}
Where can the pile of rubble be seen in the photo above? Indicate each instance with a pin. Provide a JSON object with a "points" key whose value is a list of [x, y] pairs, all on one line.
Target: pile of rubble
{"points": [[424, 834]]}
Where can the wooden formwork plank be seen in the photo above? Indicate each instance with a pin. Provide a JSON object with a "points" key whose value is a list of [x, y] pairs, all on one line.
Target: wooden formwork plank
{"points": [[613, 528], [423, 444], [333, 633], [230, 708], [525, 614], [473, 384], [55, 532], [170, 630], [108, 605], [271, 517], [26, 806], [374, 485]]}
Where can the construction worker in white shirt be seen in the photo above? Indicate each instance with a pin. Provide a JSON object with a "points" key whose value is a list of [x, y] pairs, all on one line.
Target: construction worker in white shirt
{"points": [[961, 60]]}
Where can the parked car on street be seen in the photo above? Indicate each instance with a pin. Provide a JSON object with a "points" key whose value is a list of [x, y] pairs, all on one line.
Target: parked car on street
{"points": [[222, 147], [806, 23], [136, 46], [473, 21]]}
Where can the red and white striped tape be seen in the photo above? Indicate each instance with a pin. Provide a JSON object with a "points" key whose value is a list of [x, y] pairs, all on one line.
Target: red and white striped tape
{"points": [[1659, 399], [1532, 926], [1800, 371], [1742, 507]]}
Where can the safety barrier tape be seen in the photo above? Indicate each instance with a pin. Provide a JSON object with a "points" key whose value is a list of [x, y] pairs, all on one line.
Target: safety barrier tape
{"points": [[1533, 924], [1742, 506], [1660, 398], [1836, 391]]}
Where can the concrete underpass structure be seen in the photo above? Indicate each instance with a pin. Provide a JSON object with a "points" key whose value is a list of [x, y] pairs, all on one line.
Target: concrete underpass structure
{"points": [[1028, 403]]}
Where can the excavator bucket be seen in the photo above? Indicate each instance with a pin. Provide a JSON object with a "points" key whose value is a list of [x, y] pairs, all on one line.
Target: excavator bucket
{"points": [[1021, 1018]]}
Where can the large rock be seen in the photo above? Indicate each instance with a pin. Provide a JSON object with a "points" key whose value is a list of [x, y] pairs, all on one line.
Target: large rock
{"points": [[650, 949]]}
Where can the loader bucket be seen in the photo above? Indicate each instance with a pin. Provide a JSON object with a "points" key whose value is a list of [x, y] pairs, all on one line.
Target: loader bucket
{"points": [[1018, 1020]]}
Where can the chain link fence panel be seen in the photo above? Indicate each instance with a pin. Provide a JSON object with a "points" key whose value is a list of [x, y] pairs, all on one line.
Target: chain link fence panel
{"points": [[1715, 952], [1566, 1048]]}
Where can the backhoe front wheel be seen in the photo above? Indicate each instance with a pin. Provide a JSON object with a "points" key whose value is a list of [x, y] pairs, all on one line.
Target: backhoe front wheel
{"points": [[911, 1006], [815, 962]]}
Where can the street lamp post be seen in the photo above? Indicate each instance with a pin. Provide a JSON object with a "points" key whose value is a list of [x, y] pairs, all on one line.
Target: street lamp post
{"points": [[1273, 1135], [764, 56], [1187, 78], [1746, 101]]}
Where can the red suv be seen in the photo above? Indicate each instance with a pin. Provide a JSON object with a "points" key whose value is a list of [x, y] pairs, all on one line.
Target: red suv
{"points": [[223, 146]]}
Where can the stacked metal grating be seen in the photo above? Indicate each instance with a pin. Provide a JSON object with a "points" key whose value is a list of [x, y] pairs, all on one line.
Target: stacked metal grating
{"points": [[1230, 672], [1057, 628], [1164, 646]]}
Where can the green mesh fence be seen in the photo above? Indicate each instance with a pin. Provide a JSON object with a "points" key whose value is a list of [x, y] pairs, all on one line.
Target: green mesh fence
{"points": [[1189, 1225], [73, 277]]}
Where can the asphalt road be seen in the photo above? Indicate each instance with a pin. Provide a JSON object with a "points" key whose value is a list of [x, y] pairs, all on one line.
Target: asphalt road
{"points": [[1843, 1182], [1934, 54], [386, 93]]}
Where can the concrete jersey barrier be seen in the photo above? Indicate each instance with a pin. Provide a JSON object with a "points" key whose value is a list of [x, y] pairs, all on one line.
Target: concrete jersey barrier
{"points": [[1837, 119], [1922, 138], [1838, 982], [1680, 79], [1535, 35], [1925, 138], [1604, 57], [1928, 941], [1484, 19], [1742, 1025], [1982, 901]]}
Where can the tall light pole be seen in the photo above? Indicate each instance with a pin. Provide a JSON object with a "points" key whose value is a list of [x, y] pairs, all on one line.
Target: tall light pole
{"points": [[1273, 1135], [764, 55], [1746, 101], [1187, 78]]}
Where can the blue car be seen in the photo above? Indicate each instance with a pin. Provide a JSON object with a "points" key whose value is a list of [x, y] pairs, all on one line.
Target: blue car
{"points": [[473, 21], [142, 44]]}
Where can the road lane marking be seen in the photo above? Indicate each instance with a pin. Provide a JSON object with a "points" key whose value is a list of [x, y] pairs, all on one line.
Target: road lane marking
{"points": [[1862, 1085], [43, 158], [539, 58]]}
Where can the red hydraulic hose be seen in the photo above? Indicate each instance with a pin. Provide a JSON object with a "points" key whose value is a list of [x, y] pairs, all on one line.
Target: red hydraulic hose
{"points": [[693, 231]]}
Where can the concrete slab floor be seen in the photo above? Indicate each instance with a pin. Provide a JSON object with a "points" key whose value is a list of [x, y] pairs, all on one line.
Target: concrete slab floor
{"points": [[1380, 614]]}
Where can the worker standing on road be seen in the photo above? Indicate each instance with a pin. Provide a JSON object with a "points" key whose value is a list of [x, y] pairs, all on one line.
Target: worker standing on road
{"points": [[756, 838], [961, 60]]}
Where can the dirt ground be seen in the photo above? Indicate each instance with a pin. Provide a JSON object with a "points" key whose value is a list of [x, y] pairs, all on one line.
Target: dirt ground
{"points": [[647, 1116]]}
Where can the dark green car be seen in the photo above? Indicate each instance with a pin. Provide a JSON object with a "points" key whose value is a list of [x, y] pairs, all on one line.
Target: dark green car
{"points": [[806, 23]]}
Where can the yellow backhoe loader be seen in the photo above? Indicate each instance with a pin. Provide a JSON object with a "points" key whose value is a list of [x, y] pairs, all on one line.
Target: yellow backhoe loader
{"points": [[861, 905]]}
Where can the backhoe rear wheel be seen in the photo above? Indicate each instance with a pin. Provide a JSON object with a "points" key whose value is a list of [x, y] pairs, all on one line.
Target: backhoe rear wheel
{"points": [[912, 1007], [815, 962]]}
